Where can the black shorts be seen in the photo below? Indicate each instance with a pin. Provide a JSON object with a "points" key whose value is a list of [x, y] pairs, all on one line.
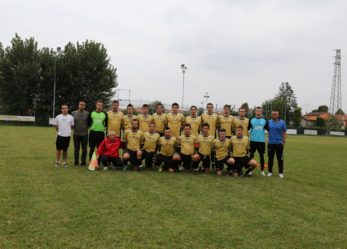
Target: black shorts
{"points": [[206, 160], [167, 161], [242, 162], [186, 161], [257, 146], [133, 158], [220, 163], [62, 143], [95, 138]]}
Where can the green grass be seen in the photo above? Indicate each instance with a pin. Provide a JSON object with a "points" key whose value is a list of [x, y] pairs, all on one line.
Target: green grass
{"points": [[45, 207]]}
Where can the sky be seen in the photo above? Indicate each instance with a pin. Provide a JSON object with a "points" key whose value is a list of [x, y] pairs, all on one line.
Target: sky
{"points": [[235, 50]]}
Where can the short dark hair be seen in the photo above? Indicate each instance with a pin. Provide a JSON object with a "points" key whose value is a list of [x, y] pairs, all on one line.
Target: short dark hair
{"points": [[187, 125], [115, 102], [64, 104], [209, 104], [144, 106], [167, 128], [239, 127], [222, 130], [81, 101], [175, 104], [159, 104], [227, 106], [258, 107], [99, 101], [205, 125], [135, 120], [193, 106], [130, 105]]}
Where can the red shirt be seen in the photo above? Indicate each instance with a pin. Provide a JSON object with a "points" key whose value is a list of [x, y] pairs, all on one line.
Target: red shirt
{"points": [[109, 148]]}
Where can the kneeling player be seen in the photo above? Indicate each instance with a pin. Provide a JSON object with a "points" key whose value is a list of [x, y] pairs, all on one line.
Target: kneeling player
{"points": [[108, 151], [150, 145], [186, 145], [222, 147], [240, 147], [204, 142], [166, 149], [133, 140]]}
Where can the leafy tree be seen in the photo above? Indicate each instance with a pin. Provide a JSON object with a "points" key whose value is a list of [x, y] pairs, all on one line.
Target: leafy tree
{"points": [[322, 108], [320, 122], [339, 112], [19, 67], [297, 117], [334, 124]]}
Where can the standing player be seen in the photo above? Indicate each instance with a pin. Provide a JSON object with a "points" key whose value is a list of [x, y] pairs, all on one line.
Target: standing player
{"points": [[150, 145], [241, 120], [222, 147], [133, 141], [257, 126], [194, 120], [175, 120], [145, 118], [126, 122], [64, 125], [186, 145], [204, 142], [166, 150], [159, 118], [226, 121], [277, 139], [240, 147], [97, 121], [210, 118], [114, 119], [80, 133]]}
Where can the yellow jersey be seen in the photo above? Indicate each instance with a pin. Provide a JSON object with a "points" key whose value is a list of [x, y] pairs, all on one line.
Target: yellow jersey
{"points": [[195, 123], [133, 139], [243, 122], [239, 146], [186, 144], [150, 141], [221, 148], [127, 121], [160, 122], [212, 120], [167, 146], [175, 122], [226, 122], [144, 122], [114, 122], [205, 144]]}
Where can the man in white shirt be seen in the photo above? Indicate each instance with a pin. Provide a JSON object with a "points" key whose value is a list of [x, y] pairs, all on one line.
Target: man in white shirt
{"points": [[64, 125]]}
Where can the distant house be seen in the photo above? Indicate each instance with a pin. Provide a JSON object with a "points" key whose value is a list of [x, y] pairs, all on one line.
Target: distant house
{"points": [[343, 119], [309, 119]]}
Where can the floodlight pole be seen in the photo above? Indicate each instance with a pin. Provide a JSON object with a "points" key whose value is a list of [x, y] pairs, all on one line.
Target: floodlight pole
{"points": [[184, 68], [55, 78]]}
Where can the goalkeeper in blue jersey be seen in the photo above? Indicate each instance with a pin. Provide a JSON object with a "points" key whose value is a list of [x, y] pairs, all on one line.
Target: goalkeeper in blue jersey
{"points": [[257, 126]]}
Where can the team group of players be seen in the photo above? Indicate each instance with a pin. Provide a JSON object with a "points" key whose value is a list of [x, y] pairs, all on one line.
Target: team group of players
{"points": [[172, 141]]}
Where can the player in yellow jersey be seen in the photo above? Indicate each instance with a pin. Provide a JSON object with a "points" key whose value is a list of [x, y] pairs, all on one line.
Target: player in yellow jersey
{"points": [[186, 146], [241, 120], [210, 118], [144, 118], [160, 119], [194, 120], [240, 147], [114, 119], [133, 141], [204, 142], [175, 120], [221, 145], [150, 145], [126, 124], [166, 150], [226, 121]]}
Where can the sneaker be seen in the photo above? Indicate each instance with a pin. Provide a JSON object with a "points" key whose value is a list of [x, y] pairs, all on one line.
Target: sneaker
{"points": [[250, 173], [125, 167], [57, 164], [269, 174], [65, 164], [160, 169], [105, 168], [180, 168], [281, 175], [262, 173]]}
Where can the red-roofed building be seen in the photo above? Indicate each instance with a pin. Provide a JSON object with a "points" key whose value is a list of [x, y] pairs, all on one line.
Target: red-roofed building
{"points": [[309, 119]]}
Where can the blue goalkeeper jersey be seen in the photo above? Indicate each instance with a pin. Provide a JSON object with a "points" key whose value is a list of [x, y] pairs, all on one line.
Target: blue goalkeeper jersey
{"points": [[257, 128]]}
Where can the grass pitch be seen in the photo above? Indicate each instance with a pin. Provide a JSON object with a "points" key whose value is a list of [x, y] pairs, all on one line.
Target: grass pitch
{"points": [[46, 207]]}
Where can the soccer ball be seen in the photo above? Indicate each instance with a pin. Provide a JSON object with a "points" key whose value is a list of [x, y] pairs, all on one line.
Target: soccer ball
{"points": [[196, 157]]}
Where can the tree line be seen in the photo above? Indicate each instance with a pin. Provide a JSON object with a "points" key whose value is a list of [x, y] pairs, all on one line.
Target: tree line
{"points": [[28, 73]]}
